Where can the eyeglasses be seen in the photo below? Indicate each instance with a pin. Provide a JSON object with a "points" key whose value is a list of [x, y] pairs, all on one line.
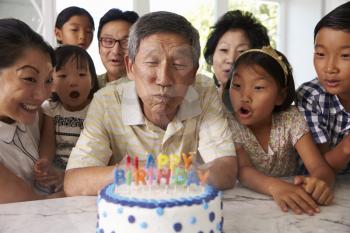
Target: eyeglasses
{"points": [[110, 42]]}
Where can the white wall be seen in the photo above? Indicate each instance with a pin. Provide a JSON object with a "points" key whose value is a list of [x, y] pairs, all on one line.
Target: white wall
{"points": [[331, 4], [23, 10], [301, 17]]}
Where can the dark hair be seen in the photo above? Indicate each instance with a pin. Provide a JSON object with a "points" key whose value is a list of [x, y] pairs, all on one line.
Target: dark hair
{"points": [[272, 67], [64, 54], [255, 31], [337, 19], [159, 22], [116, 14], [15, 38], [68, 12]]}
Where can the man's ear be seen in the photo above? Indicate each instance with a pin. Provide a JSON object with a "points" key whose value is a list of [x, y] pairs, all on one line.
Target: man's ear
{"points": [[58, 34], [129, 67], [281, 97]]}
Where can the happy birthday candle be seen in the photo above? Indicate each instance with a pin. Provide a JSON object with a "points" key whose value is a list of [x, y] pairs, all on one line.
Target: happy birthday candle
{"points": [[192, 178], [203, 176], [140, 176], [128, 161], [187, 160], [164, 172], [180, 176], [150, 165], [128, 177], [128, 170], [162, 161], [136, 163], [119, 177], [174, 161]]}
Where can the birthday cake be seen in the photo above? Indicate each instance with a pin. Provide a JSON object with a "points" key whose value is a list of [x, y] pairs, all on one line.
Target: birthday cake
{"points": [[179, 204]]}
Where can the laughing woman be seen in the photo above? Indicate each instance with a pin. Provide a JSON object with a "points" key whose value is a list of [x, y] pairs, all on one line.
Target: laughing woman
{"points": [[25, 77]]}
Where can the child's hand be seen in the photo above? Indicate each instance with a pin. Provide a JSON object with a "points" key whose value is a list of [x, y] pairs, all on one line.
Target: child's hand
{"points": [[290, 196], [46, 175], [41, 167], [54, 177], [318, 189]]}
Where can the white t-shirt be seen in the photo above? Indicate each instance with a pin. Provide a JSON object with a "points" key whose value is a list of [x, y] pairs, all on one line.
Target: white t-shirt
{"points": [[68, 126], [19, 148]]}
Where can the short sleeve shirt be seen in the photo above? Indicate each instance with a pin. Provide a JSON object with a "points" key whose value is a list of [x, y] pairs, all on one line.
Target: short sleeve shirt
{"points": [[281, 159], [327, 118], [115, 126], [19, 148], [68, 126], [325, 115]]}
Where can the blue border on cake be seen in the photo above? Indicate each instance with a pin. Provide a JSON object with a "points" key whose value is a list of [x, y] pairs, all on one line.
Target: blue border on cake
{"points": [[107, 193]]}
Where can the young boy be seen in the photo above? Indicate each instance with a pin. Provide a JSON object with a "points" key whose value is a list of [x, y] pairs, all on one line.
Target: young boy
{"points": [[325, 101]]}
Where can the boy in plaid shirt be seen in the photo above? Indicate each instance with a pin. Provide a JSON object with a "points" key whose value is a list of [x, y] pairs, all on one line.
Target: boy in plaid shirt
{"points": [[325, 101]]}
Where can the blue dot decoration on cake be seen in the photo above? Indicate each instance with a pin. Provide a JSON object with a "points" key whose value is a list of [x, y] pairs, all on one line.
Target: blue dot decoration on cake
{"points": [[131, 219], [211, 231], [143, 225], [193, 220], [160, 211], [212, 216], [205, 205], [177, 227], [120, 210], [104, 214]]}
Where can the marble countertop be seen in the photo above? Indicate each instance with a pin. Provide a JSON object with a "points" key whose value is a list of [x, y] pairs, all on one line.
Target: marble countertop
{"points": [[244, 212]]}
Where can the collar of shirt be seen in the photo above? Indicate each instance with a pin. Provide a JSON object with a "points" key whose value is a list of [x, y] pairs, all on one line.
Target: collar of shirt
{"points": [[7, 131], [337, 106], [329, 102], [133, 115]]}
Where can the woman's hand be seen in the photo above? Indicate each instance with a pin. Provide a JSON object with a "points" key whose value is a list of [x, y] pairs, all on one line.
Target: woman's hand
{"points": [[318, 189], [290, 196]]}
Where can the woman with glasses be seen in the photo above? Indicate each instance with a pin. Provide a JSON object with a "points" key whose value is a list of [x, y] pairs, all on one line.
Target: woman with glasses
{"points": [[112, 34]]}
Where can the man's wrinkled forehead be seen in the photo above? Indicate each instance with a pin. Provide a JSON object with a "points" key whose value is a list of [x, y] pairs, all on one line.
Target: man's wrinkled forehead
{"points": [[157, 46]]}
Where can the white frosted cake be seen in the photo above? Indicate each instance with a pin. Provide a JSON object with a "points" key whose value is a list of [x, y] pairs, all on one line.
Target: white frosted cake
{"points": [[159, 209]]}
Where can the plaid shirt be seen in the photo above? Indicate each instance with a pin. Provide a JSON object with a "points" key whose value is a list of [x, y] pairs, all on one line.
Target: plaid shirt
{"points": [[327, 118]]}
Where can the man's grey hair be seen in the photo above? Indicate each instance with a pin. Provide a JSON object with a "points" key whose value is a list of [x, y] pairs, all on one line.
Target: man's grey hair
{"points": [[160, 22]]}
